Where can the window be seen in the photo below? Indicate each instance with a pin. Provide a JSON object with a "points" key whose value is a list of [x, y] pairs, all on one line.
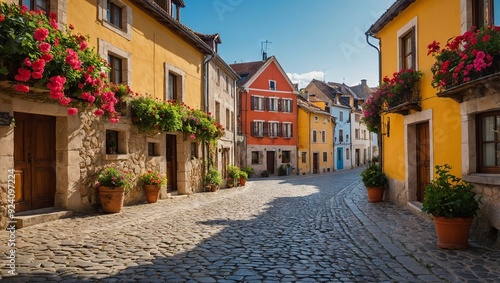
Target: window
{"points": [[356, 134], [341, 116], [258, 128], [116, 142], [273, 131], [119, 60], [228, 119], [488, 126], [227, 83], [314, 137], [272, 85], [255, 157], [114, 14], [174, 83], [285, 156], [316, 119], [258, 103], [484, 11], [304, 157], [153, 149], [287, 130], [347, 138], [407, 49], [33, 5], [341, 135], [232, 121], [217, 112], [115, 69], [218, 76], [347, 154], [172, 87], [325, 156], [272, 104], [194, 150], [286, 105], [323, 136], [324, 120], [357, 117]]}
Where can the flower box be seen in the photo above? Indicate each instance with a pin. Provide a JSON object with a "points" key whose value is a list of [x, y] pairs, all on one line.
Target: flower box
{"points": [[484, 86]]}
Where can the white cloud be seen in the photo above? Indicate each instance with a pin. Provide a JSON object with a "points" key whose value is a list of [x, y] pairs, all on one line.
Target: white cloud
{"points": [[304, 79]]}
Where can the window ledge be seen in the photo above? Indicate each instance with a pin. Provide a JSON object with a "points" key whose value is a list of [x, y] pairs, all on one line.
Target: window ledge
{"points": [[486, 179], [113, 157]]}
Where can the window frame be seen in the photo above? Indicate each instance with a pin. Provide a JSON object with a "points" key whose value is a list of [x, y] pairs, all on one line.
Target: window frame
{"points": [[172, 72], [258, 103], [409, 29], [32, 5], [114, 62], [323, 136], [286, 105], [273, 104], [273, 130], [126, 18], [304, 157], [287, 130], [272, 85], [288, 153], [314, 137], [257, 128], [325, 156], [257, 155], [481, 168], [106, 49]]}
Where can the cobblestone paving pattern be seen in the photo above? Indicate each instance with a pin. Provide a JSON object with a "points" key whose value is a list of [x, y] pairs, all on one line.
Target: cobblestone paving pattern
{"points": [[294, 229]]}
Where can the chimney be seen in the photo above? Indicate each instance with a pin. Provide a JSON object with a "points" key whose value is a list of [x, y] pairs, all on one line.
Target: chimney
{"points": [[264, 56], [363, 82]]}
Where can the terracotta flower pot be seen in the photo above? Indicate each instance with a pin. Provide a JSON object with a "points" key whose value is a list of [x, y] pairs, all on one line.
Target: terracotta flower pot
{"points": [[111, 199], [452, 233], [243, 181], [152, 193], [214, 188], [375, 194]]}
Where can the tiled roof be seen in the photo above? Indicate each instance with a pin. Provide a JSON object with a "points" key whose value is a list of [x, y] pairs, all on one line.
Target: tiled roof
{"points": [[247, 70], [389, 15], [326, 89], [362, 91], [206, 37], [311, 107]]}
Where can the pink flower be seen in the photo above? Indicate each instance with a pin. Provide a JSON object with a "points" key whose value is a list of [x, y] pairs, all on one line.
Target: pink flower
{"points": [[56, 83], [22, 88], [27, 62], [98, 112], [41, 34], [2, 18], [37, 75], [44, 47], [53, 23], [72, 59], [57, 95], [24, 9], [72, 111], [83, 45], [47, 57], [53, 16], [114, 120], [71, 27], [23, 75], [65, 101], [38, 65], [192, 136]]}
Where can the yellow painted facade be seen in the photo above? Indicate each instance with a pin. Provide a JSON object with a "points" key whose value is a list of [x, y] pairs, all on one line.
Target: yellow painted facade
{"points": [[151, 45], [431, 23], [310, 119]]}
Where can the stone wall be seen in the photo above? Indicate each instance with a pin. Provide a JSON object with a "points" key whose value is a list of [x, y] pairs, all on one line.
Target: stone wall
{"points": [[486, 226]]}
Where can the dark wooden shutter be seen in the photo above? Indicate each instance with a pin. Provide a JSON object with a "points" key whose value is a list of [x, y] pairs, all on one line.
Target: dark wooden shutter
{"points": [[280, 107], [253, 102], [291, 105], [265, 128], [253, 129], [291, 130]]}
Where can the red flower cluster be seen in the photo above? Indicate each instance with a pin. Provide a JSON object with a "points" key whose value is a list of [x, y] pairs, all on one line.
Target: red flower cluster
{"points": [[466, 57]]}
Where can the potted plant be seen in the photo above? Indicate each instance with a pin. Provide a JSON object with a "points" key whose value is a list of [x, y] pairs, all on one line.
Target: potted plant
{"points": [[249, 170], [212, 180], [112, 183], [243, 178], [233, 174], [453, 204], [152, 181], [375, 181]]}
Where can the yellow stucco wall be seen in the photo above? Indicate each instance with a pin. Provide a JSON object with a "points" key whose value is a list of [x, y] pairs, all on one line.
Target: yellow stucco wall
{"points": [[436, 20], [305, 125], [152, 44]]}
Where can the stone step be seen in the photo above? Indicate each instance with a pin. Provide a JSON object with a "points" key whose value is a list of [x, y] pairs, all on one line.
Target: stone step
{"points": [[33, 217]]}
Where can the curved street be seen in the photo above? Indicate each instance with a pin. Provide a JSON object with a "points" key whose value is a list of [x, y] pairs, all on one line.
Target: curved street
{"points": [[316, 228]]}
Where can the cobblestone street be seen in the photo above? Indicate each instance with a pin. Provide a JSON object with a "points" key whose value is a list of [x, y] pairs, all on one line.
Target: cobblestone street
{"points": [[316, 228]]}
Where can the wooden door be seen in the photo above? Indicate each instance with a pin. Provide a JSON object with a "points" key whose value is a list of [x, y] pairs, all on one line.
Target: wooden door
{"points": [[315, 162], [270, 161], [423, 159], [171, 163], [34, 161]]}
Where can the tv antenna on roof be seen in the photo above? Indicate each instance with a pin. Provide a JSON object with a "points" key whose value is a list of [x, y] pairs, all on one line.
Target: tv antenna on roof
{"points": [[263, 49]]}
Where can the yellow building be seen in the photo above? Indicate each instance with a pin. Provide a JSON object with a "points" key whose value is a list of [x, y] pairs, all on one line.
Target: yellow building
{"points": [[147, 48], [438, 130], [315, 137]]}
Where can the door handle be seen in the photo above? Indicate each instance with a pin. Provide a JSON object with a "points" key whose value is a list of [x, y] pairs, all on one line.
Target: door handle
{"points": [[29, 157]]}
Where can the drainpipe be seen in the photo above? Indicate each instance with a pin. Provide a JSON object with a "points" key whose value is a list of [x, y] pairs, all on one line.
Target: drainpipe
{"points": [[235, 125], [379, 134], [206, 101]]}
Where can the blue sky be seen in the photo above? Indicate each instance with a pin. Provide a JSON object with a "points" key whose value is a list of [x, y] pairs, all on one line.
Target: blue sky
{"points": [[322, 39]]}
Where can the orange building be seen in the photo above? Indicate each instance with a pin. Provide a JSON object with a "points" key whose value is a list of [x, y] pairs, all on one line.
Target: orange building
{"points": [[267, 116]]}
